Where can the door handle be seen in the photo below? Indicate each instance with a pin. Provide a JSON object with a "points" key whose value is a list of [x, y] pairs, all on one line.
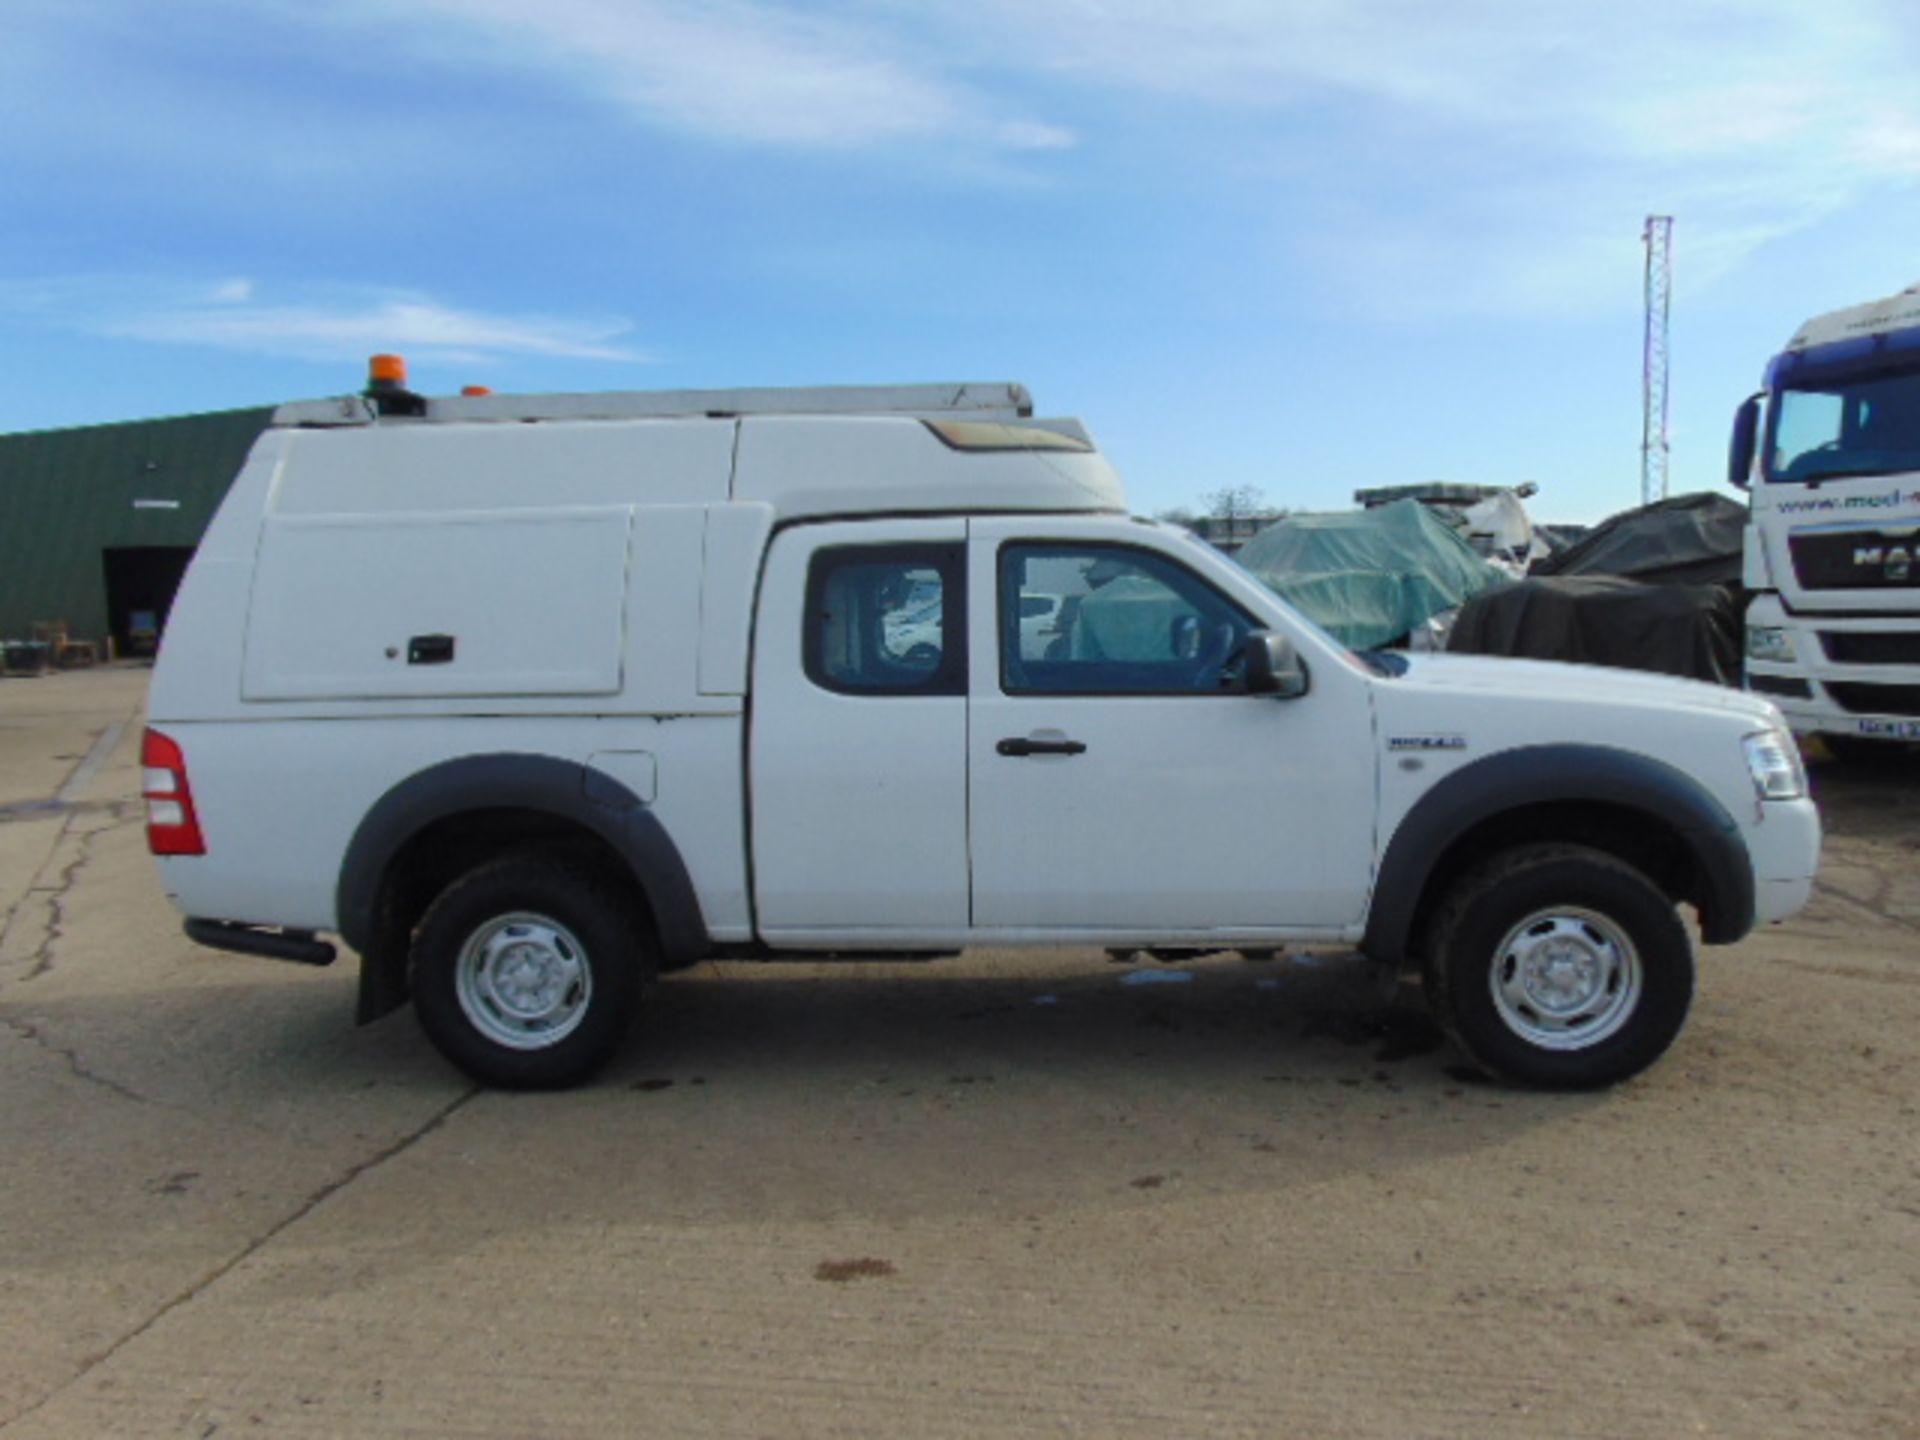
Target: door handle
{"points": [[1021, 745], [430, 650]]}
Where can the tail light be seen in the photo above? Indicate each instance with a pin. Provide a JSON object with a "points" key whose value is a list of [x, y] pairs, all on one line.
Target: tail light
{"points": [[172, 826]]}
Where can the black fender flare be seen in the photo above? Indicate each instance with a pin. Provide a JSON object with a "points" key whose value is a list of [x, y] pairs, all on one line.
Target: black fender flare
{"points": [[1544, 774], [511, 781]]}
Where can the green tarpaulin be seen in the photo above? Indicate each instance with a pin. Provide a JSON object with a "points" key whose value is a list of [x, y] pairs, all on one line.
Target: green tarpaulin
{"points": [[1368, 577], [1128, 619]]}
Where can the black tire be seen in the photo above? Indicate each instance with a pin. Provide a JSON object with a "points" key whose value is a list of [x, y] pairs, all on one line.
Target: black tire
{"points": [[1559, 966], [528, 973]]}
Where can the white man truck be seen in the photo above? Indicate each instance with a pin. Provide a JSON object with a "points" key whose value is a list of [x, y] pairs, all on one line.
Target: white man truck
{"points": [[532, 699], [1830, 454]]}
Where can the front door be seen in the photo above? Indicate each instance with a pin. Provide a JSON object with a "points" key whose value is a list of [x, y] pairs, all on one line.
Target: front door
{"points": [[1119, 781]]}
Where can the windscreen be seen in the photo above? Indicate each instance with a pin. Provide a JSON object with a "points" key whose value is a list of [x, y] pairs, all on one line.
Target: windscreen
{"points": [[1857, 425]]}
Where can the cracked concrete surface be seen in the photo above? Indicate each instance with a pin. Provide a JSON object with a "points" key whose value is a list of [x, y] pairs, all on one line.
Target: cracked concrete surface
{"points": [[29, 1032], [42, 910], [177, 1184], [119, 1070], [860, 1201]]}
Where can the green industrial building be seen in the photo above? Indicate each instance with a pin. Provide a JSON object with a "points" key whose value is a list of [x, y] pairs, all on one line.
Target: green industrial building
{"points": [[97, 523]]}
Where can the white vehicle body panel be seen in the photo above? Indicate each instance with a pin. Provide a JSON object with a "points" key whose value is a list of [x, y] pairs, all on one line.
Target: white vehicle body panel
{"points": [[735, 540], [280, 802], [534, 600], [859, 802], [1186, 814], [1828, 627], [816, 467], [1483, 705], [453, 469]]}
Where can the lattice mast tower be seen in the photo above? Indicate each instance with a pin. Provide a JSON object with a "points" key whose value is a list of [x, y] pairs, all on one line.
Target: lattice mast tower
{"points": [[1653, 376]]}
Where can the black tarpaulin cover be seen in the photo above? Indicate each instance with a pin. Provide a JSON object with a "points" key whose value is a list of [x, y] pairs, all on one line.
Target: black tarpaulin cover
{"points": [[1690, 539], [1690, 630]]}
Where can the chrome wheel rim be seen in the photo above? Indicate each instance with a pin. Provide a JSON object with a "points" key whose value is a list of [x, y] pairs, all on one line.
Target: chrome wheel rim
{"points": [[1566, 978], [523, 981]]}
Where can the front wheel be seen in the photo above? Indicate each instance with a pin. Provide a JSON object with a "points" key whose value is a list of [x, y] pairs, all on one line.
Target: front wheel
{"points": [[528, 973], [1560, 966]]}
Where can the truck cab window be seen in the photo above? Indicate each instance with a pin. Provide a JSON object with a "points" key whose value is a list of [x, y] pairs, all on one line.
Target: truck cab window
{"points": [[1859, 426], [1109, 619], [886, 620]]}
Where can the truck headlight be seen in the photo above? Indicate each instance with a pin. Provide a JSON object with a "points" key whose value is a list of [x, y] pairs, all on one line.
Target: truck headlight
{"points": [[1774, 762], [1770, 642]]}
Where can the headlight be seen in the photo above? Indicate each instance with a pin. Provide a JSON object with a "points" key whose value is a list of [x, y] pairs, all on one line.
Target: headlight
{"points": [[1774, 762], [1770, 642]]}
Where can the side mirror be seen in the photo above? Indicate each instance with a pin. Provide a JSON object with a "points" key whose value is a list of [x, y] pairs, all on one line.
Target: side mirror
{"points": [[1746, 431], [1273, 668]]}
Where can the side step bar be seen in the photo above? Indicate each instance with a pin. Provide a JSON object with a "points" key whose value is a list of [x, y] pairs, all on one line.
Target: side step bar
{"points": [[296, 945]]}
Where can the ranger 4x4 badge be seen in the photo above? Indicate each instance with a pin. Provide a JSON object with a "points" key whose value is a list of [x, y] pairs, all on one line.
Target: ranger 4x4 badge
{"points": [[1426, 742]]}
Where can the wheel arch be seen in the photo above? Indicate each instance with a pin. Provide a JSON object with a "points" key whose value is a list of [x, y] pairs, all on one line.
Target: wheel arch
{"points": [[1641, 810], [439, 822]]}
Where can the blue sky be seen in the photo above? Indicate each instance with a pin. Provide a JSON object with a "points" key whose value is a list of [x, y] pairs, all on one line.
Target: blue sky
{"points": [[1301, 245]]}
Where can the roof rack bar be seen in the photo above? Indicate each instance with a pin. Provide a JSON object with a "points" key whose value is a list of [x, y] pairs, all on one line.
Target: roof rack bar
{"points": [[985, 400]]}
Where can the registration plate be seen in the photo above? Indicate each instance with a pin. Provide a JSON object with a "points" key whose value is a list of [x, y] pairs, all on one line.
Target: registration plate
{"points": [[1890, 729]]}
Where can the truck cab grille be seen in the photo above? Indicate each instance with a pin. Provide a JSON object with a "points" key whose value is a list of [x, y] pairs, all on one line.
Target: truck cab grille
{"points": [[1871, 647], [1861, 698], [1857, 560]]}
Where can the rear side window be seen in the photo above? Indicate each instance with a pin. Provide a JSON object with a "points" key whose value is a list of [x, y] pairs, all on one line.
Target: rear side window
{"points": [[887, 620]]}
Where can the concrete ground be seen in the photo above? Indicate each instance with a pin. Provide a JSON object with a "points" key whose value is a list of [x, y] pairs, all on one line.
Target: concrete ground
{"points": [[994, 1195]]}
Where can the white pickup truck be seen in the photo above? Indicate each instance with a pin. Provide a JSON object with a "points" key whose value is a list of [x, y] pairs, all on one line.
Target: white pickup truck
{"points": [[529, 699]]}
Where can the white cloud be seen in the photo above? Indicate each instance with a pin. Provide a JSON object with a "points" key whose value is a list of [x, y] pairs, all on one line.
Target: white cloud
{"points": [[737, 70], [1472, 156], [1556, 123], [337, 324], [768, 73], [744, 70], [1029, 135], [1888, 140]]}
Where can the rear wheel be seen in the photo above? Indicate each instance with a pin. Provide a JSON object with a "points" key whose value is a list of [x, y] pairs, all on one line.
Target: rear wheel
{"points": [[1560, 966], [527, 973]]}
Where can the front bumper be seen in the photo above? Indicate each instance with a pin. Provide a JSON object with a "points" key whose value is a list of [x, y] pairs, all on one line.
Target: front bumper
{"points": [[1785, 850], [1850, 675]]}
